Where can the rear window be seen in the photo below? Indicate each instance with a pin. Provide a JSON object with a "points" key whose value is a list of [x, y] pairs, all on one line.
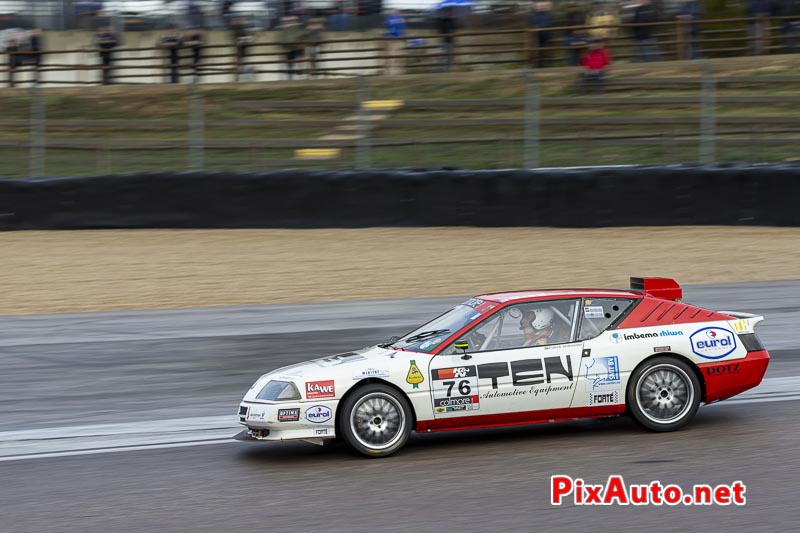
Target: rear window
{"points": [[599, 313]]}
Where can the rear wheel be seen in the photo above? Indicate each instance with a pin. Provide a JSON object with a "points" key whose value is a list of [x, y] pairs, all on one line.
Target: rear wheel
{"points": [[375, 420], [663, 394]]}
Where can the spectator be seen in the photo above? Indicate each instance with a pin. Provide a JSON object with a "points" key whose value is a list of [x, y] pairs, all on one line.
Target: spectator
{"points": [[446, 27], [227, 12], [289, 36], [541, 19], [242, 39], [790, 27], [194, 14], [195, 42], [690, 11], [395, 33], [646, 49], [171, 43], [595, 62], [602, 20], [314, 35], [575, 39], [12, 49], [759, 11], [35, 47], [106, 43]]}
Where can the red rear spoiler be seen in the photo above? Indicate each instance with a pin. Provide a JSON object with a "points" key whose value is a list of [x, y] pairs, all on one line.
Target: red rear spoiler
{"points": [[666, 288]]}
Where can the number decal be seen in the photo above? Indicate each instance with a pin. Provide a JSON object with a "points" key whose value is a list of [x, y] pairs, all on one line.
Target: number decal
{"points": [[454, 389]]}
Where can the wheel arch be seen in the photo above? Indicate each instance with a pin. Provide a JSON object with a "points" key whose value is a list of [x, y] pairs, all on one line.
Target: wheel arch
{"points": [[680, 357], [372, 381]]}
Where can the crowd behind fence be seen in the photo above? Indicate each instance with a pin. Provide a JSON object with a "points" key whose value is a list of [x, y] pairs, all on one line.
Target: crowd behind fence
{"points": [[189, 55]]}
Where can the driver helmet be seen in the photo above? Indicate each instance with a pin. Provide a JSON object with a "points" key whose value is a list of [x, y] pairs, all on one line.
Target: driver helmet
{"points": [[536, 319]]}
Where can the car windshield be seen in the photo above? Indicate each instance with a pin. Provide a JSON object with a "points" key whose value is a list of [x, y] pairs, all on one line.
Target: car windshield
{"points": [[427, 337]]}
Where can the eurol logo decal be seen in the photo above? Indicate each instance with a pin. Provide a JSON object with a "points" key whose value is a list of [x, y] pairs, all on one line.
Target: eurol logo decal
{"points": [[713, 343], [317, 414]]}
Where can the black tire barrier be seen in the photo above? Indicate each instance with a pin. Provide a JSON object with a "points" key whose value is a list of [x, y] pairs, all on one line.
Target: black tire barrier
{"points": [[665, 195]]}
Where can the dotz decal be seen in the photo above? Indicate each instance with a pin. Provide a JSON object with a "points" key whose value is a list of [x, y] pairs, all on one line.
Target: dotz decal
{"points": [[716, 370], [713, 342], [288, 415], [618, 337], [602, 373], [320, 389], [455, 389], [317, 414], [414, 376]]}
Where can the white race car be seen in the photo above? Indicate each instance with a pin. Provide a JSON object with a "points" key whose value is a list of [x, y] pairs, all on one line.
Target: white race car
{"points": [[518, 358]]}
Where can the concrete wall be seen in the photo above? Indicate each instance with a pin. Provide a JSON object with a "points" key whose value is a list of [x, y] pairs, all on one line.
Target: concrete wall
{"points": [[86, 55]]}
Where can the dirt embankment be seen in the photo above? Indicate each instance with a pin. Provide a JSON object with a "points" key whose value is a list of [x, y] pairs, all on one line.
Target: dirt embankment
{"points": [[44, 272]]}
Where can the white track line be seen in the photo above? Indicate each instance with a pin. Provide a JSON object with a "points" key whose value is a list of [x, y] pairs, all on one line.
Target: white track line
{"points": [[199, 431]]}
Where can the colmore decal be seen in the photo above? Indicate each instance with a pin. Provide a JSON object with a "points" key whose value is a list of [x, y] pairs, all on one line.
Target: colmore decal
{"points": [[713, 342]]}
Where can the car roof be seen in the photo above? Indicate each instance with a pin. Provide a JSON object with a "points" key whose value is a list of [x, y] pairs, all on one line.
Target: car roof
{"points": [[551, 294]]}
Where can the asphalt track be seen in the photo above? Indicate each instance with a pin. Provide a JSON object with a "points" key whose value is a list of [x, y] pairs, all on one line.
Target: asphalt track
{"points": [[122, 421]]}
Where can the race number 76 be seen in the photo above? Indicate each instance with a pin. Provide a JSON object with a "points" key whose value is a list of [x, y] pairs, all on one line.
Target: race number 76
{"points": [[463, 387]]}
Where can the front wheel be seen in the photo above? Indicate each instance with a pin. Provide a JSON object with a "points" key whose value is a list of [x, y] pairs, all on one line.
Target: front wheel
{"points": [[663, 394], [375, 420]]}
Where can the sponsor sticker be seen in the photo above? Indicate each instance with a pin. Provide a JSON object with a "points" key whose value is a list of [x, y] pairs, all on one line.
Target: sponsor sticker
{"points": [[288, 415], [414, 376], [256, 413], [602, 374], [594, 311], [455, 389], [717, 370], [371, 373], [713, 342], [739, 325], [317, 414], [603, 398], [322, 431], [618, 337], [320, 389], [659, 349]]}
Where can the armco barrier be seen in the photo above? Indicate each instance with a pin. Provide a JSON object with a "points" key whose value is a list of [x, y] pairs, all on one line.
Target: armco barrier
{"points": [[764, 194]]}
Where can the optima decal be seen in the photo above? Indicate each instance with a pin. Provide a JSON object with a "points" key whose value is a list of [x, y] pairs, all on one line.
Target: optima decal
{"points": [[713, 342], [288, 415]]}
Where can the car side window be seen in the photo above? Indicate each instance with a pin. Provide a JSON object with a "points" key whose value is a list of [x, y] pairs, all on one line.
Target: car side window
{"points": [[523, 325], [599, 313]]}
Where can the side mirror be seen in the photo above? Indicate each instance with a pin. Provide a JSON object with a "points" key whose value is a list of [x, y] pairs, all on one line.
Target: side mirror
{"points": [[463, 346], [392, 339]]}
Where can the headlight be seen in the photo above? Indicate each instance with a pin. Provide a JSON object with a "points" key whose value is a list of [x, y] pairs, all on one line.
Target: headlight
{"points": [[279, 391]]}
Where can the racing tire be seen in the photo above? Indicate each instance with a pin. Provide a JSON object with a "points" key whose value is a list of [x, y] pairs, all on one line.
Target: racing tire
{"points": [[663, 394], [375, 420]]}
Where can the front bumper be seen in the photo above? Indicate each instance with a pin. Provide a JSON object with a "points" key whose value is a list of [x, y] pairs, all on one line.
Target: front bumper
{"points": [[289, 420]]}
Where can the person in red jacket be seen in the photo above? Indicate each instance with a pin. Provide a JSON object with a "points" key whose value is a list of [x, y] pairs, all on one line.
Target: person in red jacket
{"points": [[595, 63]]}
